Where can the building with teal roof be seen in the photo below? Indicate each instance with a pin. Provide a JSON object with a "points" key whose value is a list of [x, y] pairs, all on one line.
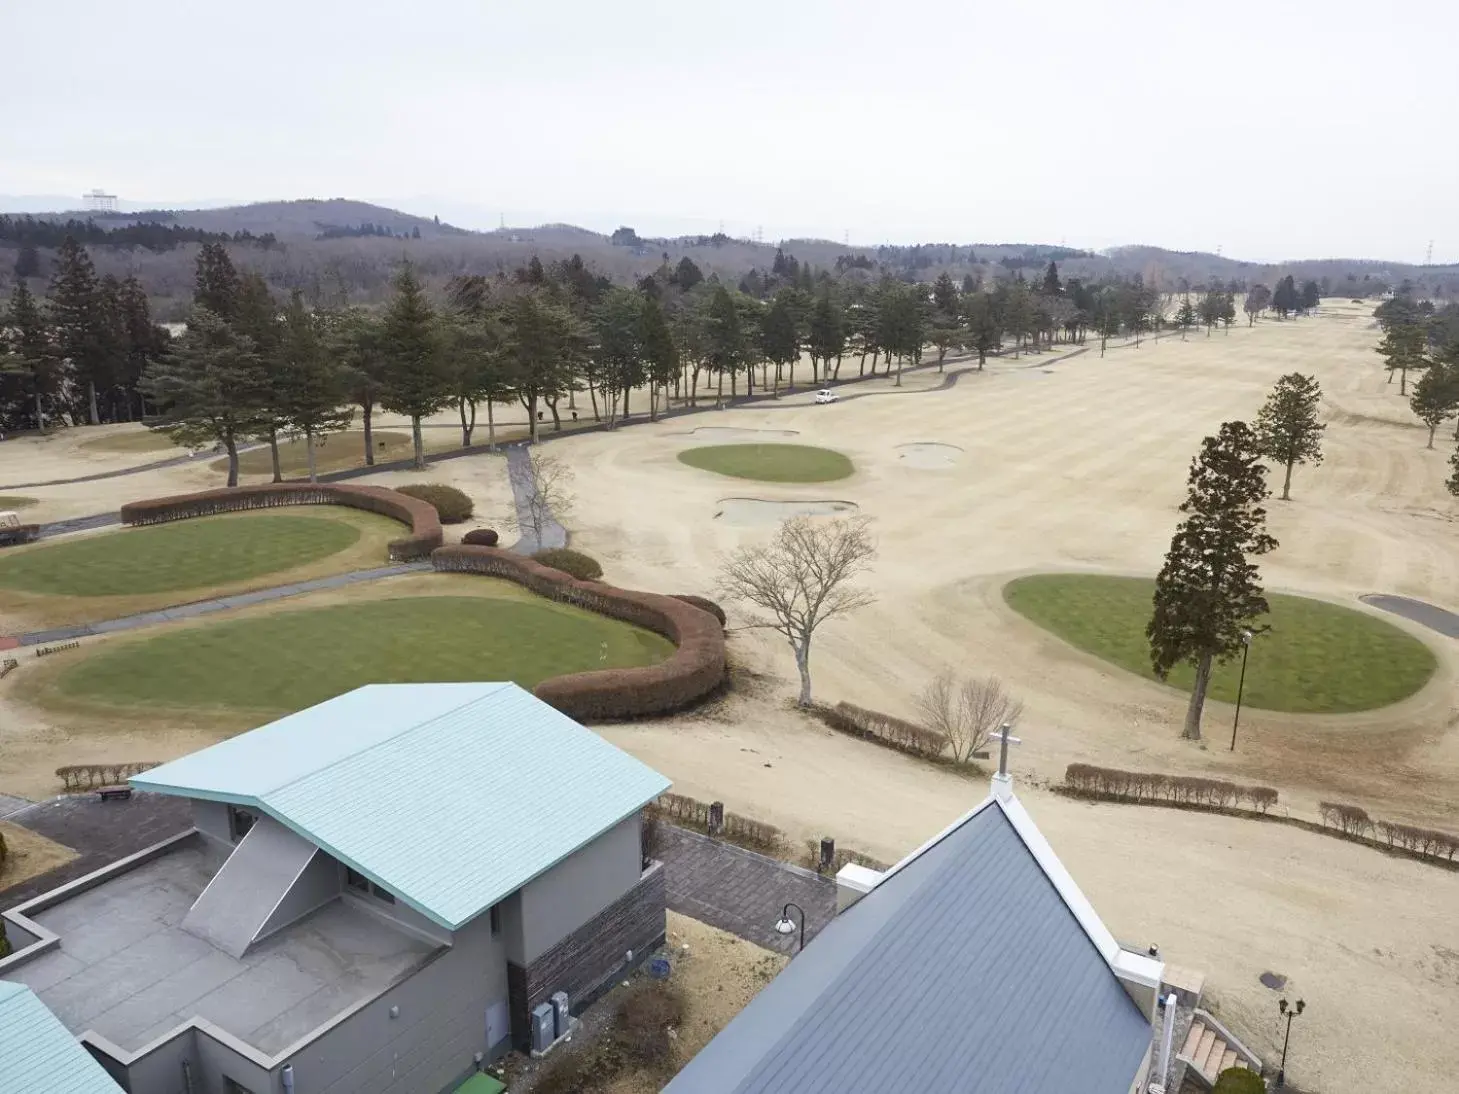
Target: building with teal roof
{"points": [[380, 892], [38, 1053]]}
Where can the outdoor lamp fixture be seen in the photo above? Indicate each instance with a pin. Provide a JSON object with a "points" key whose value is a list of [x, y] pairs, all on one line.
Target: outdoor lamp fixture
{"points": [[1246, 637], [786, 925], [1290, 1012]]}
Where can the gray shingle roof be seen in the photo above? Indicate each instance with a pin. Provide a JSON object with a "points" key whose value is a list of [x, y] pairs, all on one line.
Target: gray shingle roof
{"points": [[964, 971]]}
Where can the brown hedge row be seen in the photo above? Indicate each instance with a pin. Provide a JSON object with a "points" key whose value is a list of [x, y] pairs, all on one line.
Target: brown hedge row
{"points": [[1353, 820], [696, 668], [885, 729], [420, 516], [74, 776], [703, 603], [1138, 786], [745, 831]]}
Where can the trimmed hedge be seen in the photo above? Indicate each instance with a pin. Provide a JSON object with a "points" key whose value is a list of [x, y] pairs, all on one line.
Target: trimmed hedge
{"points": [[1239, 1080], [884, 729], [704, 604], [745, 831], [1353, 820], [696, 668], [92, 775], [573, 563], [1137, 786], [480, 537], [420, 516], [453, 505]]}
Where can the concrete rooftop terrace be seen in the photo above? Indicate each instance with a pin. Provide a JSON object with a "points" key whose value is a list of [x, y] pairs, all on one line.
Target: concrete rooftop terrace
{"points": [[128, 971]]}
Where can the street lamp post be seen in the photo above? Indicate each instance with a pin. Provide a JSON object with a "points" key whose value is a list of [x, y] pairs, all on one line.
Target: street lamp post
{"points": [[786, 925], [1241, 686], [1290, 1012]]}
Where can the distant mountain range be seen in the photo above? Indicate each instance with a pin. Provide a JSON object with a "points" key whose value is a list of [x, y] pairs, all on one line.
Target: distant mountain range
{"points": [[320, 238]]}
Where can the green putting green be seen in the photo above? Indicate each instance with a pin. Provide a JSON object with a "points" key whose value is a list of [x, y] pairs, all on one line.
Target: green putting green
{"points": [[770, 462], [1317, 658], [290, 659], [186, 554]]}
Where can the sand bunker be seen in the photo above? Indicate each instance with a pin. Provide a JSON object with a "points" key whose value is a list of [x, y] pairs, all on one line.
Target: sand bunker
{"points": [[929, 455], [741, 511], [729, 433]]}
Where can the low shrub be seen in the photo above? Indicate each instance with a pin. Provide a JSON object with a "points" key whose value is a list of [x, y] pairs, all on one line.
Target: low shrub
{"points": [[844, 856], [703, 604], [1239, 1080], [4, 942], [452, 505], [650, 838], [885, 729], [480, 537], [4, 854], [573, 563], [1423, 841], [1353, 820], [86, 776], [1109, 782], [689, 812]]}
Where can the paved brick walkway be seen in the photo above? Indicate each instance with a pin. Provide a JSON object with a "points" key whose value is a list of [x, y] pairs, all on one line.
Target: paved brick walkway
{"points": [[100, 832], [739, 891]]}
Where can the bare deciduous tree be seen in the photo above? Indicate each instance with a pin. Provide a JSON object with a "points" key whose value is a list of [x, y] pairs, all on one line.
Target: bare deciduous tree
{"points": [[966, 712], [802, 579], [549, 496]]}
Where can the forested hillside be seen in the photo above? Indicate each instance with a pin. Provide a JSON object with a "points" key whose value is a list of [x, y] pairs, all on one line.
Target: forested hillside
{"points": [[341, 253]]}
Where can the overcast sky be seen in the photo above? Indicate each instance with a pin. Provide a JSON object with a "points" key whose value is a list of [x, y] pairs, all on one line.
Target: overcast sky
{"points": [[1271, 130]]}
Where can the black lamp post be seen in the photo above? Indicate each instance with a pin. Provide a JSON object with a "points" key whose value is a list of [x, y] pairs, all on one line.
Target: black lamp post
{"points": [[1290, 1012], [1241, 686], [786, 925]]}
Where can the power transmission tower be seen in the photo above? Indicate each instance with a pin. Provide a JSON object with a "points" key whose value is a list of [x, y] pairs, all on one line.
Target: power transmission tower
{"points": [[1429, 254]]}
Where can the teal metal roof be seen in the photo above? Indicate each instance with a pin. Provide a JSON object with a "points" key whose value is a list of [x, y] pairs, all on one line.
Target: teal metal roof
{"points": [[451, 796], [38, 1053]]}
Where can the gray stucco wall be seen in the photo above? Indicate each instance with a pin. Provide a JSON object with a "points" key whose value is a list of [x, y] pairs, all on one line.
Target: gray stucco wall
{"points": [[564, 898], [318, 883], [441, 1025], [211, 819]]}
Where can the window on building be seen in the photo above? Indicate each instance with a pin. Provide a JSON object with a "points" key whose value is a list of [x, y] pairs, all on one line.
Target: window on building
{"points": [[496, 920], [231, 1086], [361, 883], [239, 822]]}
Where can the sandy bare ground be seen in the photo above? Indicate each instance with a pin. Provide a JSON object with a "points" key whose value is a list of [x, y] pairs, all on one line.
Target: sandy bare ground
{"points": [[1076, 465], [1081, 468], [29, 855]]}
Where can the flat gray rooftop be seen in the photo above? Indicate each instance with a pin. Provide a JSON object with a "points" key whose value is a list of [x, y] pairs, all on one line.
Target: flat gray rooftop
{"points": [[128, 971]]}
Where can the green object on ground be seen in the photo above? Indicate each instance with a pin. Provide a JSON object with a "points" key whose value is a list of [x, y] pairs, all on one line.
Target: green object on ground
{"points": [[187, 554], [294, 658], [15, 501], [481, 1083], [1317, 658], [770, 462]]}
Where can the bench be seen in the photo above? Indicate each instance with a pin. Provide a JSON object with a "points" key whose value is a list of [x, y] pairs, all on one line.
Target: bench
{"points": [[114, 793]]}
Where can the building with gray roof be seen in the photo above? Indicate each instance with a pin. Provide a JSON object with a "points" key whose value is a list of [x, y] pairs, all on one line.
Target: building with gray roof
{"points": [[974, 966]]}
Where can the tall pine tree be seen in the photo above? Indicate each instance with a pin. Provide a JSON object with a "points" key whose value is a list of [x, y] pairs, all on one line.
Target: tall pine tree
{"points": [[1209, 593], [308, 385], [31, 358], [417, 376], [210, 390], [78, 318], [1287, 429]]}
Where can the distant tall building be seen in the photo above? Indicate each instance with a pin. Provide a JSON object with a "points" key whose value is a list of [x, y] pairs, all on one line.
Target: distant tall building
{"points": [[98, 202]]}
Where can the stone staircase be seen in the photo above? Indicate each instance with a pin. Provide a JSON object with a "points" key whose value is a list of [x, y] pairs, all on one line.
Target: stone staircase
{"points": [[1210, 1049]]}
